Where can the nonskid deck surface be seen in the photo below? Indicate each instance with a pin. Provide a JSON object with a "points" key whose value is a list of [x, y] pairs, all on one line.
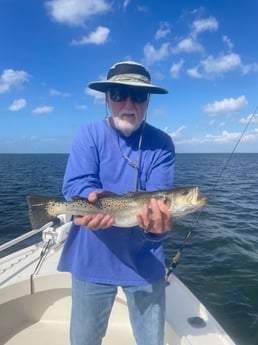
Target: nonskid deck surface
{"points": [[44, 318], [26, 323], [43, 333]]}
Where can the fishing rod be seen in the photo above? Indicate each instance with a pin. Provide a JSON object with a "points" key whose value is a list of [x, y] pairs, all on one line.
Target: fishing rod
{"points": [[176, 258]]}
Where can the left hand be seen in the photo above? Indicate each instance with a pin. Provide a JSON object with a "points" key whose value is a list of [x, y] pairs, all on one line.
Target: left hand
{"points": [[95, 222], [155, 217]]}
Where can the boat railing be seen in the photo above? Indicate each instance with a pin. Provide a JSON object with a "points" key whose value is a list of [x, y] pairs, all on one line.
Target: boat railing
{"points": [[23, 237], [48, 230]]}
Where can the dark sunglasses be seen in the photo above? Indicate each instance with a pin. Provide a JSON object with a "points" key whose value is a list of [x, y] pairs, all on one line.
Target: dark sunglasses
{"points": [[120, 94]]}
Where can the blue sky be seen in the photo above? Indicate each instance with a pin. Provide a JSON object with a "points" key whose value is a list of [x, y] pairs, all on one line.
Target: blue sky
{"points": [[204, 52]]}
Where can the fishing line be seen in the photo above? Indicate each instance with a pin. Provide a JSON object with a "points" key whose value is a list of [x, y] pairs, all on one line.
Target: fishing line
{"points": [[176, 258]]}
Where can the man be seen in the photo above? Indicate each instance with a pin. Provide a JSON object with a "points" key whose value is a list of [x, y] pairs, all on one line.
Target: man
{"points": [[120, 154]]}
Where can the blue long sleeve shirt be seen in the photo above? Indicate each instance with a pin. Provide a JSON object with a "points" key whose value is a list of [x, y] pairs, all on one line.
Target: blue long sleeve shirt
{"points": [[103, 159]]}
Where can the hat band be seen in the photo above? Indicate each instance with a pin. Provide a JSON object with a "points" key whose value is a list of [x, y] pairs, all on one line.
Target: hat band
{"points": [[137, 78]]}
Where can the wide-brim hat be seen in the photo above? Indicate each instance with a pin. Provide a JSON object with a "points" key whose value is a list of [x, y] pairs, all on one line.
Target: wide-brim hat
{"points": [[127, 73]]}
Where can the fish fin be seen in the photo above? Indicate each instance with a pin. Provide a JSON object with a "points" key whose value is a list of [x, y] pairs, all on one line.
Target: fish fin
{"points": [[78, 197], [100, 195], [106, 194], [38, 213]]}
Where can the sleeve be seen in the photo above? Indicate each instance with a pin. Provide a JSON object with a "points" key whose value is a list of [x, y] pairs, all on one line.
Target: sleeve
{"points": [[82, 170]]}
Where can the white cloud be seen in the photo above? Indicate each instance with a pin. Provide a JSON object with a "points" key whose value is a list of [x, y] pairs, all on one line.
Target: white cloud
{"points": [[228, 42], [125, 4], [54, 92], [252, 118], [221, 64], [231, 137], [152, 55], [211, 66], [222, 142], [76, 12], [11, 78], [163, 31], [18, 104], [224, 137], [81, 106], [194, 73], [227, 105], [43, 110], [202, 25], [142, 8], [187, 45], [176, 135], [253, 67], [99, 96], [99, 36], [178, 132], [175, 69], [218, 66]]}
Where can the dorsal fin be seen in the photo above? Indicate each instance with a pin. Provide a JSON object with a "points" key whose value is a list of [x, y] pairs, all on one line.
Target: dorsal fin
{"points": [[106, 194], [78, 197], [100, 195]]}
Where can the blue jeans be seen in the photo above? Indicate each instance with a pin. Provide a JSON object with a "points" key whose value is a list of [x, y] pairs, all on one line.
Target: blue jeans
{"points": [[92, 304]]}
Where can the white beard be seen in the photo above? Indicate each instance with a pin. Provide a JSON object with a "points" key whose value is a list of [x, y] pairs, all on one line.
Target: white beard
{"points": [[126, 127]]}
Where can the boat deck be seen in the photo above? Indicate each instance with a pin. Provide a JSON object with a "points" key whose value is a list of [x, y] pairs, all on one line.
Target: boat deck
{"points": [[51, 326], [37, 311]]}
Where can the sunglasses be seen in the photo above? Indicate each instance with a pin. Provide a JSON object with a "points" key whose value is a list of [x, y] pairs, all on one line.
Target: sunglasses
{"points": [[120, 94]]}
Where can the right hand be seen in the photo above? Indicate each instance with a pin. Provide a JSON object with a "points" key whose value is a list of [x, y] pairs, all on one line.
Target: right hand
{"points": [[97, 221]]}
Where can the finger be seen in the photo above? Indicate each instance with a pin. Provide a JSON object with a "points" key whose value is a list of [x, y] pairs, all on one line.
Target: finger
{"points": [[158, 223], [106, 222], [100, 221], [163, 207], [166, 216], [93, 197], [140, 220], [82, 220], [162, 221], [143, 218], [145, 224]]}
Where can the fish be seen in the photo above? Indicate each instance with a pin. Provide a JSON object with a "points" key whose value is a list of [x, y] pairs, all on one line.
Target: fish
{"points": [[123, 208]]}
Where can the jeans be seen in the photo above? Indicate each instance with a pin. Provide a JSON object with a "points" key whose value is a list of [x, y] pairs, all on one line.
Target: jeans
{"points": [[92, 304]]}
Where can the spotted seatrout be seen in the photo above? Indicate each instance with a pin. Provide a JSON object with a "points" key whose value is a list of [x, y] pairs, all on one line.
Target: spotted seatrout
{"points": [[123, 208]]}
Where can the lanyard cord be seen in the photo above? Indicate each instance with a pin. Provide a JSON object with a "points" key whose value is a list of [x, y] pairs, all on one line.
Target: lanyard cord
{"points": [[134, 163], [176, 258]]}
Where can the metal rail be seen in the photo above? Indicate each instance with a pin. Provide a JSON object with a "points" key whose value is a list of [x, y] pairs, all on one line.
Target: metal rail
{"points": [[24, 237]]}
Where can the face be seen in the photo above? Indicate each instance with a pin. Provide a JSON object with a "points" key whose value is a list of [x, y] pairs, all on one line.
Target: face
{"points": [[128, 107]]}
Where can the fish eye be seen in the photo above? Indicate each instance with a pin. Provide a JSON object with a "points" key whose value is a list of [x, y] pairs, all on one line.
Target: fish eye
{"points": [[185, 192]]}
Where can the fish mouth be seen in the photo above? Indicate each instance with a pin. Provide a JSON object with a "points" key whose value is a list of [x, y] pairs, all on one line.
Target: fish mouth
{"points": [[201, 201]]}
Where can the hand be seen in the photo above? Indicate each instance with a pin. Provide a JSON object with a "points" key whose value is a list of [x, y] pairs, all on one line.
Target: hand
{"points": [[155, 217], [97, 221]]}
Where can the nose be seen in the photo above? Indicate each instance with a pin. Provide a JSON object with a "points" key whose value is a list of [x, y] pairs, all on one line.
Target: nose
{"points": [[128, 101]]}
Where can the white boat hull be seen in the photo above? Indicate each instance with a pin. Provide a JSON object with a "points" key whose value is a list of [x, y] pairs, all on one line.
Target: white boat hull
{"points": [[37, 311]]}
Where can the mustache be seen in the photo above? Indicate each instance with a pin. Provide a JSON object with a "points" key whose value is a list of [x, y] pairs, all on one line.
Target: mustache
{"points": [[127, 112]]}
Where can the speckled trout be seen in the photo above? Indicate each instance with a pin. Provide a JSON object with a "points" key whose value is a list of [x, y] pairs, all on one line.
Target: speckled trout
{"points": [[123, 208]]}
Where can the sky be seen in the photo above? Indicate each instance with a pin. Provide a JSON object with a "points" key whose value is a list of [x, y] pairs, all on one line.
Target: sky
{"points": [[205, 53]]}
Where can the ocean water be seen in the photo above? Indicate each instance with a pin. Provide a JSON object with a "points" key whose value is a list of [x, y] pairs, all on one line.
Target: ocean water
{"points": [[219, 262]]}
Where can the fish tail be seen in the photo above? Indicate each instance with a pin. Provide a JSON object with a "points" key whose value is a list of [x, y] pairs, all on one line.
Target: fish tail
{"points": [[38, 211]]}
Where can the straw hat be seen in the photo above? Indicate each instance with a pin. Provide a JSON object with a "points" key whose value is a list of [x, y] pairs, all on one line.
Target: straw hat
{"points": [[127, 73]]}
